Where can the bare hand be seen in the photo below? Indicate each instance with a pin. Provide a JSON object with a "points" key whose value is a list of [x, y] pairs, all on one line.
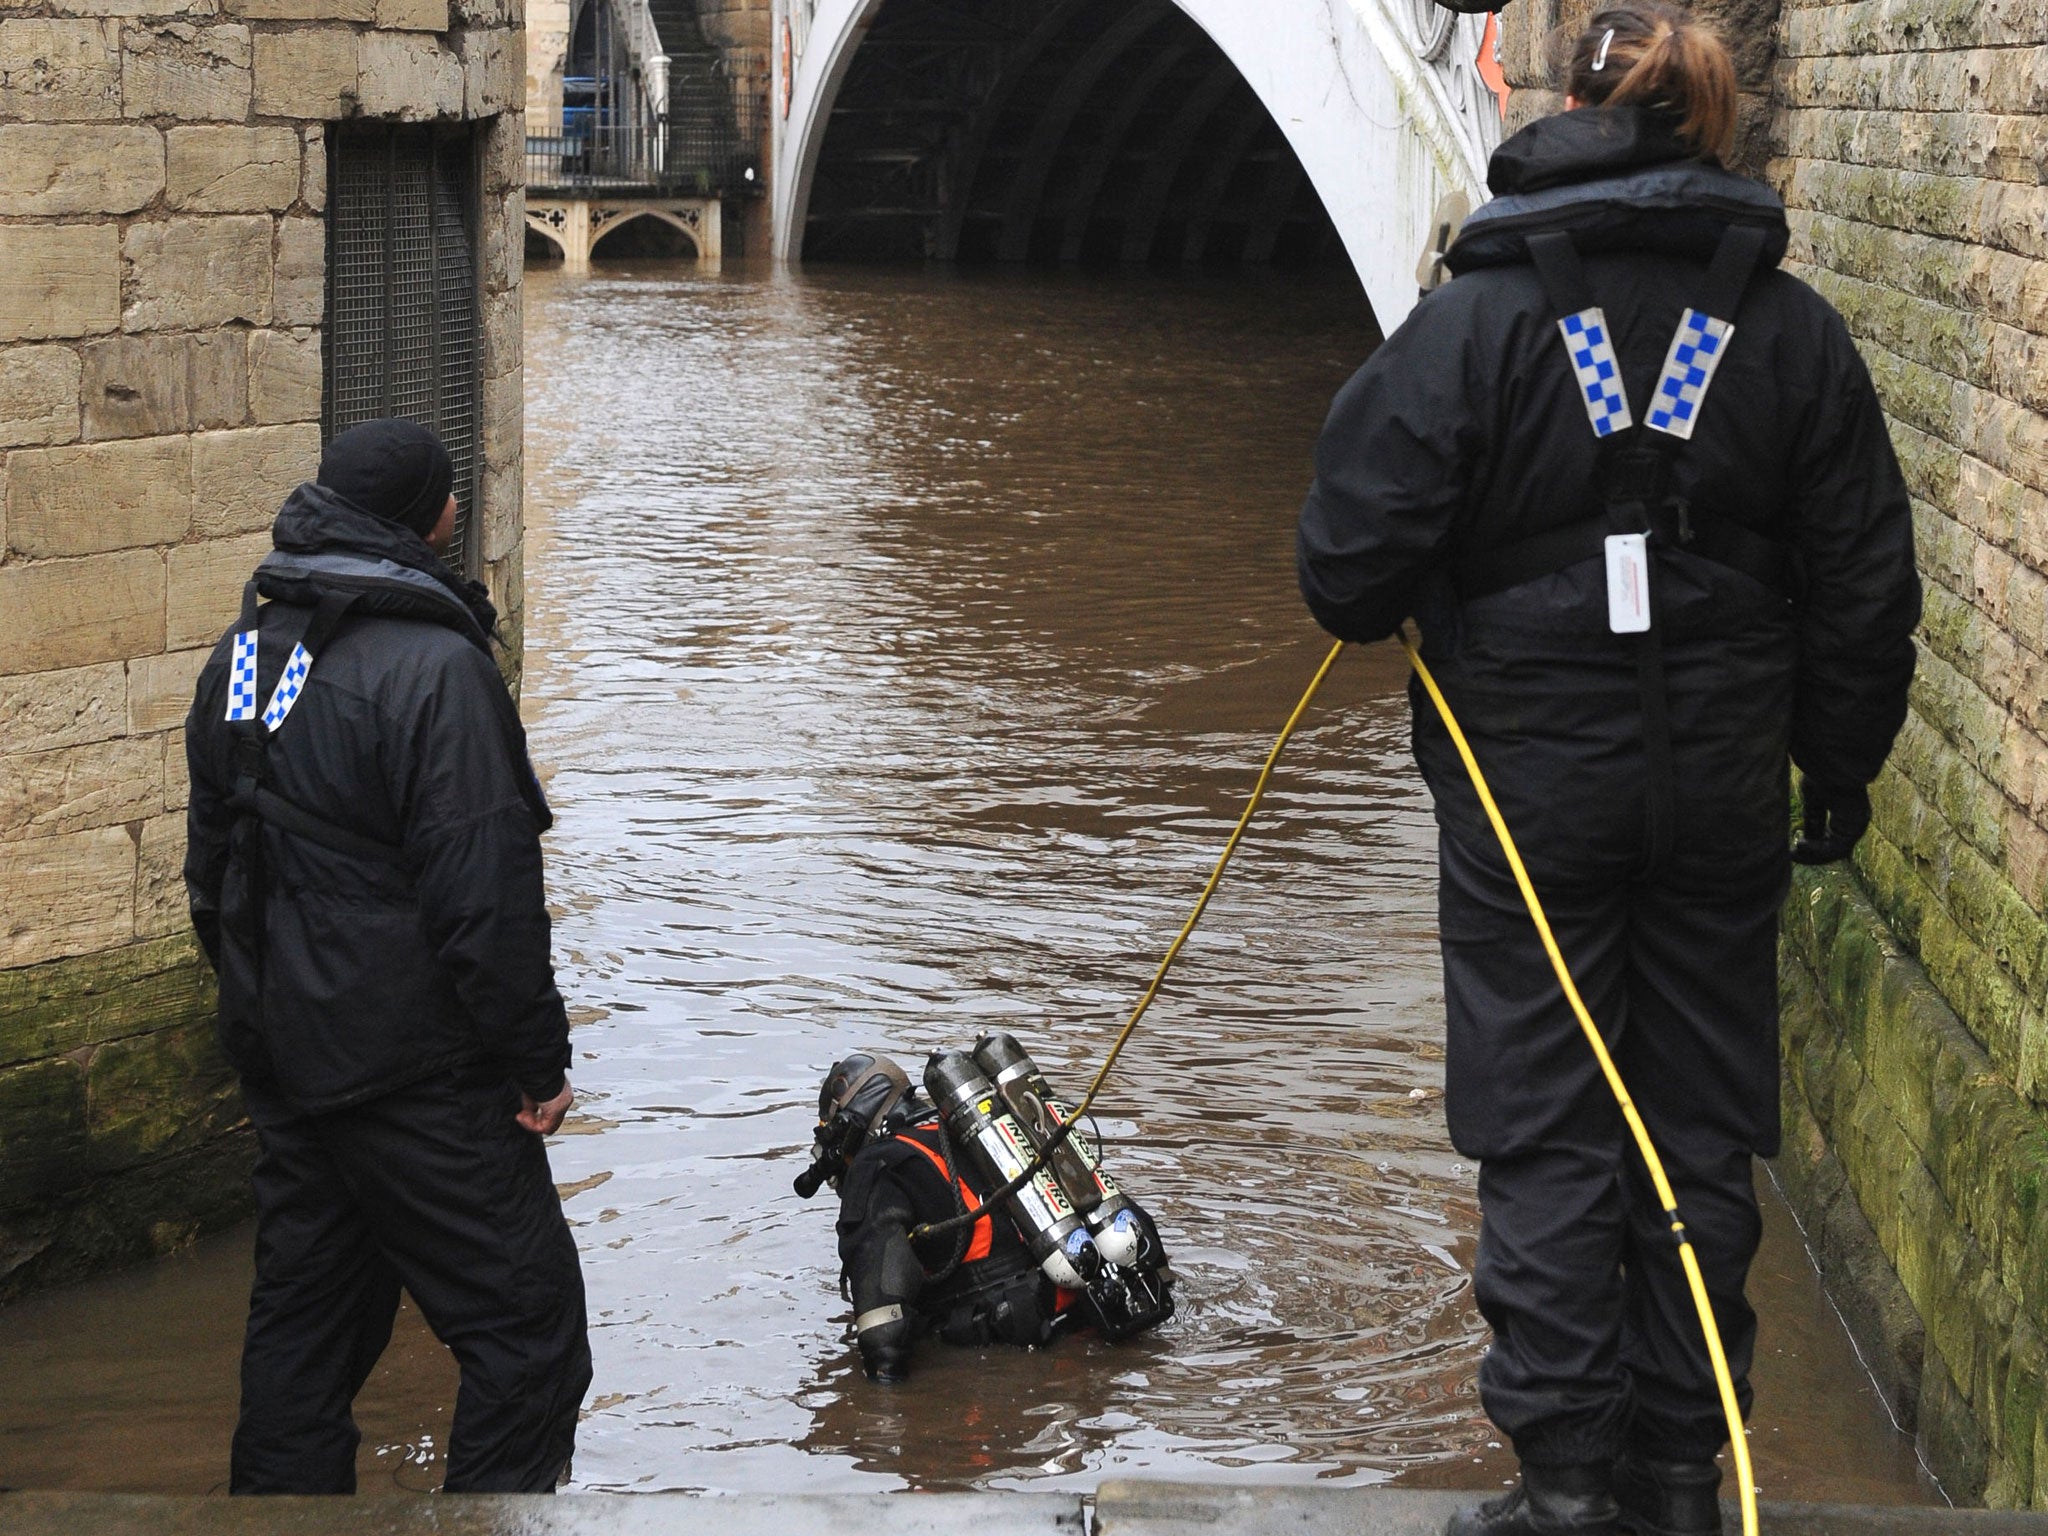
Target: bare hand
{"points": [[544, 1119]]}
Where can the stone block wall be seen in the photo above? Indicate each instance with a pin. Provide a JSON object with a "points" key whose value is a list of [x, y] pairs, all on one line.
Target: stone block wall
{"points": [[547, 51], [1909, 143], [1908, 138], [163, 174]]}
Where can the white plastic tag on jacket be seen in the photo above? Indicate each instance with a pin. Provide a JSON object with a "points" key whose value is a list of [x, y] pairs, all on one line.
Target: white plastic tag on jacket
{"points": [[1695, 353], [242, 682], [1628, 583]]}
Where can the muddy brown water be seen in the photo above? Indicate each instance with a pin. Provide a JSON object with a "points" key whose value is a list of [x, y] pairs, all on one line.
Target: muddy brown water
{"points": [[900, 648]]}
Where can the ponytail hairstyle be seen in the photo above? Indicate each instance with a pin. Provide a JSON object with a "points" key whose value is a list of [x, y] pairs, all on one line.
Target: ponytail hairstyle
{"points": [[1651, 54]]}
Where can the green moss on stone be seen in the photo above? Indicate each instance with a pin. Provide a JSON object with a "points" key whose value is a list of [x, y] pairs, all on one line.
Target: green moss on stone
{"points": [[157, 1093], [42, 1116], [1946, 1165], [63, 1005], [120, 1120]]}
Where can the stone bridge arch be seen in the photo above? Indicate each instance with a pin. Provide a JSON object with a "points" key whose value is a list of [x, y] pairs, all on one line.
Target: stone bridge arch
{"points": [[576, 226], [1127, 130]]}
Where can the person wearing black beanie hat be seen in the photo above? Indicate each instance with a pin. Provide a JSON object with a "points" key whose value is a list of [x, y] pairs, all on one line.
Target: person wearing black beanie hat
{"points": [[396, 470], [364, 867]]}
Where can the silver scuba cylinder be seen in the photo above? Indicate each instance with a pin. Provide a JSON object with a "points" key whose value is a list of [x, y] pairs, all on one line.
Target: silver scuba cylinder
{"points": [[1112, 1219], [997, 1149]]}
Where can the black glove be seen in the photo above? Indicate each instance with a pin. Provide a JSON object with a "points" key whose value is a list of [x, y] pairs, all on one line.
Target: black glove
{"points": [[1836, 815], [885, 1345]]}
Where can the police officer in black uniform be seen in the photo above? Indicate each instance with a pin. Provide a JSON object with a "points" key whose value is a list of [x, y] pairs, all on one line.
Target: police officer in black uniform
{"points": [[364, 869], [1574, 385], [885, 1152]]}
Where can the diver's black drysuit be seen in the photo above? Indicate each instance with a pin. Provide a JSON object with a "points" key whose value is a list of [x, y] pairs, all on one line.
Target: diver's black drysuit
{"points": [[1464, 436], [385, 1006], [996, 1294]]}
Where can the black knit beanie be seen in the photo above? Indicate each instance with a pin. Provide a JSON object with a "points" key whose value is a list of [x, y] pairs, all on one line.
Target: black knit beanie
{"points": [[393, 469]]}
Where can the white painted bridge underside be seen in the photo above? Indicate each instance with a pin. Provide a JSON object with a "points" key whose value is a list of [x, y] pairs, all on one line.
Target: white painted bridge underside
{"points": [[1382, 129]]}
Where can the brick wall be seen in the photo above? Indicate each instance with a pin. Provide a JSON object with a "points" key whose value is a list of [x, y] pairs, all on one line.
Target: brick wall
{"points": [[1908, 139], [162, 247]]}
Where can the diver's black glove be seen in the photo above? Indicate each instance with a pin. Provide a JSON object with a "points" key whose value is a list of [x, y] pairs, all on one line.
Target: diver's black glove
{"points": [[885, 1344], [1836, 815]]}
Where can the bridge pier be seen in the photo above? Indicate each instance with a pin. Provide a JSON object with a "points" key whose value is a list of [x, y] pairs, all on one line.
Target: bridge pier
{"points": [[575, 225]]}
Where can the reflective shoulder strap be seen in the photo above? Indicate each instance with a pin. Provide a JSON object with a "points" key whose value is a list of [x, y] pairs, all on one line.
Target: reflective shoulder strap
{"points": [[1587, 338], [251, 793], [291, 682], [1704, 333], [242, 666]]}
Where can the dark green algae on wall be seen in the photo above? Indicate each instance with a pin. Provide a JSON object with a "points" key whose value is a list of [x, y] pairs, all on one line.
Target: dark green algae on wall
{"points": [[122, 1135], [1919, 1171]]}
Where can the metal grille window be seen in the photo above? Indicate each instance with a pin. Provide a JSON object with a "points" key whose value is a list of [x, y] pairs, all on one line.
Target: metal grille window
{"points": [[402, 333]]}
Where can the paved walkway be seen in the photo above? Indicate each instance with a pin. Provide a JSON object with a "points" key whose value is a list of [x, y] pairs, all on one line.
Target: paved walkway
{"points": [[1120, 1509]]}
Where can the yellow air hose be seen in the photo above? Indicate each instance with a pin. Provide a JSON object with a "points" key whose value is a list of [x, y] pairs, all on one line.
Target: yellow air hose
{"points": [[1738, 1441], [1030, 1169], [1215, 879]]}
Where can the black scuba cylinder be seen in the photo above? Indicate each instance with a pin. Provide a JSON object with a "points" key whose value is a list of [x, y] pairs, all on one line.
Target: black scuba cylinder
{"points": [[1112, 1219], [997, 1149]]}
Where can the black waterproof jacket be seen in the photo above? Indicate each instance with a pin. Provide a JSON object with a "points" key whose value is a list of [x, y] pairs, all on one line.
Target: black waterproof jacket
{"points": [[1466, 432], [996, 1293], [370, 975]]}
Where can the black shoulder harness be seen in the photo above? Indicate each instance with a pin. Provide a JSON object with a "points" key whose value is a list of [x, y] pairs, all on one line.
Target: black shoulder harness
{"points": [[1636, 459]]}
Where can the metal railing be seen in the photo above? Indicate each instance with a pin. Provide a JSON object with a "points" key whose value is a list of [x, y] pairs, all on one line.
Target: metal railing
{"points": [[595, 158], [709, 149]]}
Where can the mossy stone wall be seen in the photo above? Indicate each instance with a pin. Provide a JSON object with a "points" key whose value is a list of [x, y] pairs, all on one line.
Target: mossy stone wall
{"points": [[124, 1131], [1909, 139], [163, 239]]}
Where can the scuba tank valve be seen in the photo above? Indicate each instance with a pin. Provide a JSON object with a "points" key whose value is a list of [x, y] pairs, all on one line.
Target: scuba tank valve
{"points": [[998, 1149], [1112, 1220]]}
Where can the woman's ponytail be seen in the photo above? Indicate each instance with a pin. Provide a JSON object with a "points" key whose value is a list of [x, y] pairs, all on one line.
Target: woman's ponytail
{"points": [[1646, 53]]}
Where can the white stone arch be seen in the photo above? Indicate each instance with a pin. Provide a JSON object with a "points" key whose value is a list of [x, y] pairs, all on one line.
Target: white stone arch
{"points": [[1379, 99], [557, 237], [607, 221], [577, 224]]}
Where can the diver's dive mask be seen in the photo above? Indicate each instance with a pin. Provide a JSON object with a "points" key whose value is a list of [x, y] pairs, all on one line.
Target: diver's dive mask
{"points": [[857, 1097]]}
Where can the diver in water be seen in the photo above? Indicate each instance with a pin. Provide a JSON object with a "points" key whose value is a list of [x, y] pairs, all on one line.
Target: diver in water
{"points": [[1017, 1270]]}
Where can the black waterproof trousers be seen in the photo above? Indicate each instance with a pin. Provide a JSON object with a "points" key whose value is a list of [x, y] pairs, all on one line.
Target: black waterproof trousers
{"points": [[435, 1189], [1597, 1344]]}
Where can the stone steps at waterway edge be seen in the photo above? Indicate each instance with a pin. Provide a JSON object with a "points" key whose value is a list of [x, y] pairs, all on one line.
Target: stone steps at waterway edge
{"points": [[1121, 1508]]}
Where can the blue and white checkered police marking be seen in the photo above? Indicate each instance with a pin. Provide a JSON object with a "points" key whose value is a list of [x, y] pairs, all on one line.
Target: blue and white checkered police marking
{"points": [[1688, 371], [1591, 346], [289, 685], [242, 678]]}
